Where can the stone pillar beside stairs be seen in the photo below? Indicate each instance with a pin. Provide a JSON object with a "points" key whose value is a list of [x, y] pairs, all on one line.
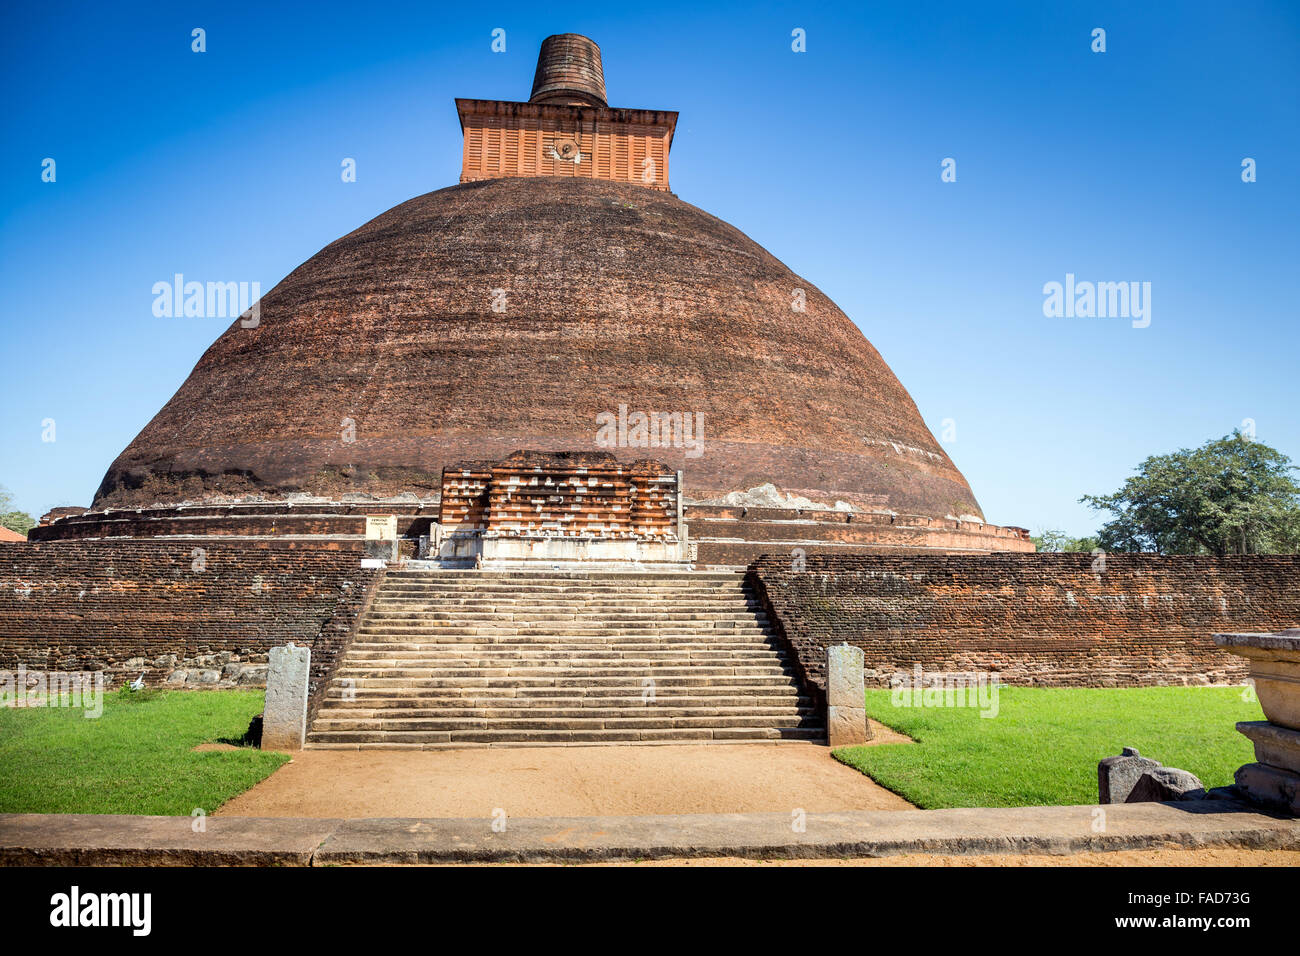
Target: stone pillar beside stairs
{"points": [[1273, 781], [846, 706], [284, 718]]}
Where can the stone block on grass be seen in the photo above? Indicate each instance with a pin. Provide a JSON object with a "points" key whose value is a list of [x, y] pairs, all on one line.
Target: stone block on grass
{"points": [[1116, 776], [1165, 784]]}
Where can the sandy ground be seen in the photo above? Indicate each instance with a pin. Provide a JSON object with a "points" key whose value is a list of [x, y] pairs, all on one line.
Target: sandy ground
{"points": [[1202, 857], [632, 780], [564, 782]]}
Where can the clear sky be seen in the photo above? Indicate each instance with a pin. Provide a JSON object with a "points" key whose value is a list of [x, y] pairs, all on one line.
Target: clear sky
{"points": [[1115, 166]]}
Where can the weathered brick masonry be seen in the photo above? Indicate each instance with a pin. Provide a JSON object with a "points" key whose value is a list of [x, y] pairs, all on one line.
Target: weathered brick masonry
{"points": [[130, 606], [1036, 619]]}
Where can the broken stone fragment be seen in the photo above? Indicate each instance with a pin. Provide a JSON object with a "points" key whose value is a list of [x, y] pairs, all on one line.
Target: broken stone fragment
{"points": [[1164, 784], [1116, 776]]}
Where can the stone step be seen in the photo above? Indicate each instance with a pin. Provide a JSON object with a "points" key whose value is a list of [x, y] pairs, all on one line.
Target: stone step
{"points": [[508, 592], [519, 643], [527, 645], [535, 614], [389, 606], [469, 598], [517, 595], [568, 722], [467, 659], [733, 589], [470, 625], [544, 677], [633, 611], [345, 711], [585, 579], [663, 691], [459, 657], [438, 705], [733, 582], [543, 744], [543, 636], [567, 736], [453, 642], [583, 670]]}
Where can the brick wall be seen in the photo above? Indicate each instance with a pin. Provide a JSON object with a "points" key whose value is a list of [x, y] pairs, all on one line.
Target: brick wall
{"points": [[507, 139], [1036, 619], [131, 606]]}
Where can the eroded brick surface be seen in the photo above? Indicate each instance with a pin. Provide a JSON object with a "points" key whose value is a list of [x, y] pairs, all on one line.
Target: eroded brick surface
{"points": [[610, 294], [132, 606], [1036, 619], [561, 493]]}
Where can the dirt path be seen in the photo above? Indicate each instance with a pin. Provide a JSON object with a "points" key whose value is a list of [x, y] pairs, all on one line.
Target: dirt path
{"points": [[564, 782]]}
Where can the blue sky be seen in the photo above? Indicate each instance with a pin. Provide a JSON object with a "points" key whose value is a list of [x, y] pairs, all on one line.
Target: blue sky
{"points": [[1115, 166]]}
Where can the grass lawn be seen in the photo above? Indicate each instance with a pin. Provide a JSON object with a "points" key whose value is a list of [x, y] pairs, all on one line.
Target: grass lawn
{"points": [[1044, 743], [135, 758]]}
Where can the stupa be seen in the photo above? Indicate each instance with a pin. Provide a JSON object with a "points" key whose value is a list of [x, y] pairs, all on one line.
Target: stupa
{"points": [[560, 298]]}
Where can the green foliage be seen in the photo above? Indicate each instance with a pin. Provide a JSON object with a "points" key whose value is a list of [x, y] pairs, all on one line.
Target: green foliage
{"points": [[1232, 495], [1043, 746], [135, 758], [1053, 540], [19, 521]]}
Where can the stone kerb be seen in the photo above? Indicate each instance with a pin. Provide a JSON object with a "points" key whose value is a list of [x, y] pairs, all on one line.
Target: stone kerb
{"points": [[846, 713], [284, 719]]}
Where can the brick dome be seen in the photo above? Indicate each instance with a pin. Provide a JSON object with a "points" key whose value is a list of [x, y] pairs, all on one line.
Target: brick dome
{"points": [[610, 295]]}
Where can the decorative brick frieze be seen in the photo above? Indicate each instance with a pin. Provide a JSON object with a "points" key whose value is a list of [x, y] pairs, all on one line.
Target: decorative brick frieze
{"points": [[588, 494]]}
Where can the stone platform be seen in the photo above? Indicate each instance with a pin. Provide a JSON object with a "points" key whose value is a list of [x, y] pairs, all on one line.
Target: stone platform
{"points": [[105, 840], [727, 536]]}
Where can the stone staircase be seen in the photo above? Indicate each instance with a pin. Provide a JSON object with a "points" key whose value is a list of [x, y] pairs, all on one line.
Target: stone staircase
{"points": [[446, 659]]}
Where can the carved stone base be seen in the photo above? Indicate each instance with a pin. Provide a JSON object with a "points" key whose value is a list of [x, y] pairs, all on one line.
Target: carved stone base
{"points": [[1276, 746], [1270, 787]]}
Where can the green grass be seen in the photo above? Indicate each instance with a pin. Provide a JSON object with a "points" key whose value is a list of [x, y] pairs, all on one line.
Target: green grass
{"points": [[135, 758], [1043, 746]]}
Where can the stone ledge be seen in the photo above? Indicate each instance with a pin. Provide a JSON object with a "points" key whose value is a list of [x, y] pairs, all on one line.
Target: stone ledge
{"points": [[83, 840], [87, 839], [1288, 640]]}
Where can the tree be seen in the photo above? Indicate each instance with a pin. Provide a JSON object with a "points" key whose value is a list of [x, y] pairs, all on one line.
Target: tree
{"points": [[19, 521], [1233, 495], [1054, 540]]}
